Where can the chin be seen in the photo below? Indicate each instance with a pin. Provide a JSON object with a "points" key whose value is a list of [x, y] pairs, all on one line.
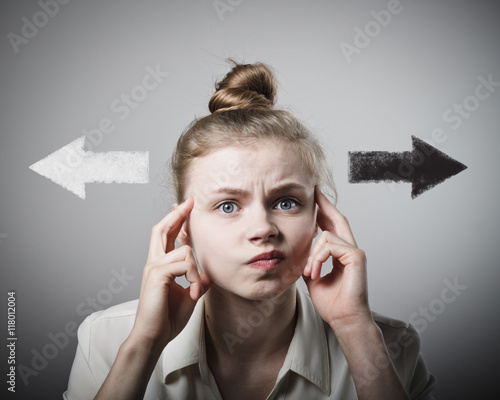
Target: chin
{"points": [[265, 290]]}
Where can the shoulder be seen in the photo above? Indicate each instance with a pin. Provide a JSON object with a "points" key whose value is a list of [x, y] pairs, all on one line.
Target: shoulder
{"points": [[398, 335], [401, 339], [101, 334], [122, 310], [403, 344], [391, 323], [116, 316]]}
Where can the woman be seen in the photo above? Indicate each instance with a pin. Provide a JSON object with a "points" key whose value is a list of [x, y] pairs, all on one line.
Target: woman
{"points": [[247, 180]]}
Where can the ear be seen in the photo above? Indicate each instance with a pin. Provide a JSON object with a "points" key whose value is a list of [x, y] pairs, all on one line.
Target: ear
{"points": [[183, 236]]}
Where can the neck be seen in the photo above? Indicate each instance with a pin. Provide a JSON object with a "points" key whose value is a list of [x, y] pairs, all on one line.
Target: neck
{"points": [[245, 330]]}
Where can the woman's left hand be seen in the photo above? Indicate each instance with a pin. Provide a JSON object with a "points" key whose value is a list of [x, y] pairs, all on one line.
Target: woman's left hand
{"points": [[341, 296]]}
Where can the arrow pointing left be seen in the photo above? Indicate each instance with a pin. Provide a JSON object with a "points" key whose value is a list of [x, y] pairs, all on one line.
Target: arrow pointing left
{"points": [[72, 167]]}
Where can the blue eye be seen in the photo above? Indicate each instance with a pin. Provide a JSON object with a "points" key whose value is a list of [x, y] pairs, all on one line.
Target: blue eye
{"points": [[227, 207], [286, 204]]}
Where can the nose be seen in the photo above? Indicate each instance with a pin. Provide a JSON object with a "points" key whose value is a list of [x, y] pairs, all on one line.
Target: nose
{"points": [[260, 226]]}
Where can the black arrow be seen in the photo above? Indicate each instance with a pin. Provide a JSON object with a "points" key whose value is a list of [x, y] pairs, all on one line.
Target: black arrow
{"points": [[425, 166]]}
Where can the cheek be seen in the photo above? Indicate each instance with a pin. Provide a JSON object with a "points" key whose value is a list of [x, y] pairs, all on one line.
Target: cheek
{"points": [[197, 230], [208, 240], [306, 226], [300, 235], [299, 238]]}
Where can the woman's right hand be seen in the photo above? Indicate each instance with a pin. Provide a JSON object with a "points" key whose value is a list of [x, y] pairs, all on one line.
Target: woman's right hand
{"points": [[163, 311], [165, 306]]}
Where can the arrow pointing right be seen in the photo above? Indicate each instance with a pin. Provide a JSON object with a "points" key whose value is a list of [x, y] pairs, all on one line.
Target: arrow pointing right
{"points": [[424, 167]]}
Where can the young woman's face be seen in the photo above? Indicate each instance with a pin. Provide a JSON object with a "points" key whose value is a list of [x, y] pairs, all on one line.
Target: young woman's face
{"points": [[254, 218]]}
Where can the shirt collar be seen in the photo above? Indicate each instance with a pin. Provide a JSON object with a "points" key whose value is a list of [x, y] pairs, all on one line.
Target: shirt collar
{"points": [[188, 347], [307, 354]]}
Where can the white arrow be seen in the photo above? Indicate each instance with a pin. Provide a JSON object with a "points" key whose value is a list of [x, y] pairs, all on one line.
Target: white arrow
{"points": [[72, 167]]}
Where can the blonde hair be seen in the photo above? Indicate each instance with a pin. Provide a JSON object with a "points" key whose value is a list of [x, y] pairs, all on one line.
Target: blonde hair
{"points": [[242, 113]]}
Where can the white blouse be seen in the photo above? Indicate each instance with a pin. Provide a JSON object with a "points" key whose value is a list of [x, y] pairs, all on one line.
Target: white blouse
{"points": [[314, 367]]}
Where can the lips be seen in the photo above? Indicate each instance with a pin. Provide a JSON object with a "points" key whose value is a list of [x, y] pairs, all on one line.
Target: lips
{"points": [[267, 260]]}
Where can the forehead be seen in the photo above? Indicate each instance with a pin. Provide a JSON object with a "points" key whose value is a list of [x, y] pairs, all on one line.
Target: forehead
{"points": [[266, 163]]}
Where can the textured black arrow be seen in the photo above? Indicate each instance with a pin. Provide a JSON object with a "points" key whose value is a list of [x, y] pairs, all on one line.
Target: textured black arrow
{"points": [[424, 167]]}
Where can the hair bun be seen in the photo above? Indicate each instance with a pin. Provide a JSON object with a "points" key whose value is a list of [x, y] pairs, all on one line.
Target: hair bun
{"points": [[245, 86]]}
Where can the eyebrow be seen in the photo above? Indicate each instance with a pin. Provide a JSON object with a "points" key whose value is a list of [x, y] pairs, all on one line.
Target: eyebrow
{"points": [[242, 192]]}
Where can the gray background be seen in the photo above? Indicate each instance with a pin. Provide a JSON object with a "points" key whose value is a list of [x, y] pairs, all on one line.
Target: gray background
{"points": [[58, 251]]}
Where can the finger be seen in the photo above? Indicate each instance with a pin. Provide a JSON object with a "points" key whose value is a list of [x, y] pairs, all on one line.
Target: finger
{"points": [[324, 281], [196, 288], [330, 219], [164, 232], [182, 263], [171, 231], [318, 260], [324, 238], [343, 254], [183, 253], [164, 274]]}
